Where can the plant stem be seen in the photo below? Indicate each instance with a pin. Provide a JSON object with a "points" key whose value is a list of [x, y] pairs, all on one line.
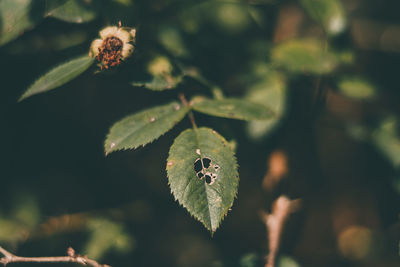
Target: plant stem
{"points": [[275, 221], [190, 114], [72, 257]]}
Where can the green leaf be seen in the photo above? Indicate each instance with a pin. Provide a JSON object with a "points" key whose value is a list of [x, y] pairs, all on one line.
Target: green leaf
{"points": [[386, 139], [356, 88], [160, 82], [307, 55], [270, 92], [142, 128], [232, 108], [329, 13], [17, 17], [59, 76], [207, 202], [75, 11]]}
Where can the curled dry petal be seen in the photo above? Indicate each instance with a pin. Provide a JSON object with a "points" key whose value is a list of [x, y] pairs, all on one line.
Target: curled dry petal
{"points": [[127, 50], [124, 36], [108, 31], [94, 47]]}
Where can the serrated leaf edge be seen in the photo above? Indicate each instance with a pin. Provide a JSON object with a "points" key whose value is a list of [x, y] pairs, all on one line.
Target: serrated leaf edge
{"points": [[142, 145], [243, 118], [190, 211]]}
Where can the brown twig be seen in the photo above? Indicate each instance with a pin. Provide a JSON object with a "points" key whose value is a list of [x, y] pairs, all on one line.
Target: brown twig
{"points": [[72, 257], [187, 105], [281, 209]]}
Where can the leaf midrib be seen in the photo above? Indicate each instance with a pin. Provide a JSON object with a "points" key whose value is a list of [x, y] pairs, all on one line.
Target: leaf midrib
{"points": [[140, 128], [204, 184], [66, 74]]}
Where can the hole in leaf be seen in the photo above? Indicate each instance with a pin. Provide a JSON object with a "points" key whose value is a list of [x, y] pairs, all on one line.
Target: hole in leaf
{"points": [[197, 165], [216, 167], [206, 162], [200, 175], [208, 179]]}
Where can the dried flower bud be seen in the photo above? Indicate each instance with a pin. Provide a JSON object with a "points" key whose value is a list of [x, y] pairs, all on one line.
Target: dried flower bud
{"points": [[115, 45]]}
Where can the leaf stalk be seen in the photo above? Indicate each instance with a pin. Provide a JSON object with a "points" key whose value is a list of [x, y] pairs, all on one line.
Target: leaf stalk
{"points": [[190, 113]]}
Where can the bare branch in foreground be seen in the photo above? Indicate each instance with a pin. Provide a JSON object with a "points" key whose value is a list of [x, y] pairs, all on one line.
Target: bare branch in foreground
{"points": [[281, 209], [72, 257]]}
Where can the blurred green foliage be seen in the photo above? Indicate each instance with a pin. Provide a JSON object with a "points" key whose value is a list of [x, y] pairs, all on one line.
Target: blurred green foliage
{"points": [[22, 218], [304, 60], [308, 55], [329, 13], [269, 90], [357, 88], [74, 11], [106, 236]]}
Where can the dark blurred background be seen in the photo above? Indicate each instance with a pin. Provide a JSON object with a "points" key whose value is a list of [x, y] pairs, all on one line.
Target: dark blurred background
{"points": [[332, 151]]}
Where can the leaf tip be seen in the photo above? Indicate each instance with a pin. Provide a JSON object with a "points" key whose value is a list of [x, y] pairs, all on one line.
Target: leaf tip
{"points": [[23, 96]]}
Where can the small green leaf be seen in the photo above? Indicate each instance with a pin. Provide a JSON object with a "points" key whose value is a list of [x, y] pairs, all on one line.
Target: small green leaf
{"points": [[142, 128], [160, 82], [306, 55], [329, 13], [233, 108], [386, 139], [59, 76], [207, 202], [357, 88], [75, 11], [17, 17], [163, 75], [270, 92]]}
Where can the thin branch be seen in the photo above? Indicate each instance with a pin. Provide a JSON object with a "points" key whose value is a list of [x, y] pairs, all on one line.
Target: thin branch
{"points": [[72, 257], [6, 253], [186, 104], [281, 209]]}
